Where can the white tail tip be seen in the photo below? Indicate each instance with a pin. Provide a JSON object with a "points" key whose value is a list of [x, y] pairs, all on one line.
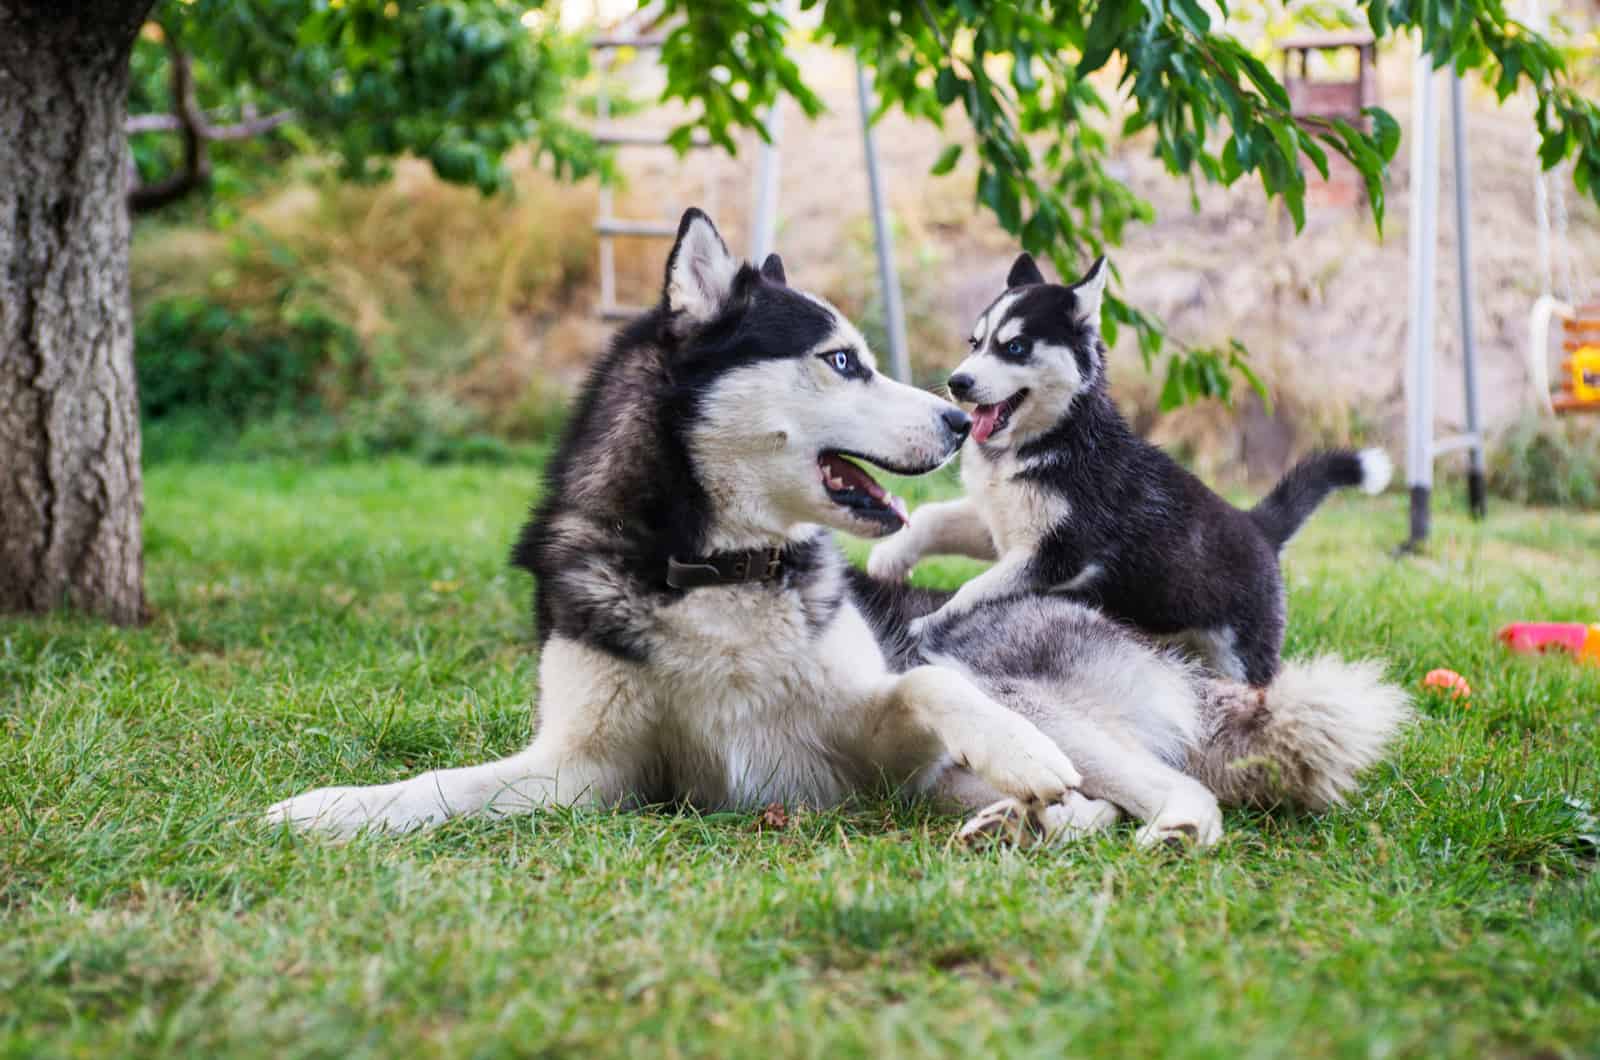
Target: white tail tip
{"points": [[1376, 470]]}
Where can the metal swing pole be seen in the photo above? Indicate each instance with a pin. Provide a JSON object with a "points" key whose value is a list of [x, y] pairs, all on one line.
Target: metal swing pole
{"points": [[894, 317], [1476, 498], [1419, 336], [1422, 448], [764, 222]]}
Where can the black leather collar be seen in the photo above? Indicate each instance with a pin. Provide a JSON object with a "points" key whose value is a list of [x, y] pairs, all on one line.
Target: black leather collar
{"points": [[751, 566]]}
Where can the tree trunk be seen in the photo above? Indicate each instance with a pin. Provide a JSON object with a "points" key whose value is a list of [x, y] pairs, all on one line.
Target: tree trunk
{"points": [[70, 494]]}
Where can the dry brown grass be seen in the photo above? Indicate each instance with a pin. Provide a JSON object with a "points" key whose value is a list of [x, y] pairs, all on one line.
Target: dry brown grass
{"points": [[449, 293]]}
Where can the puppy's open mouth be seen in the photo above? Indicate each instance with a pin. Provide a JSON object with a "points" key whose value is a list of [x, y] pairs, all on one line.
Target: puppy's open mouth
{"points": [[850, 487], [990, 420]]}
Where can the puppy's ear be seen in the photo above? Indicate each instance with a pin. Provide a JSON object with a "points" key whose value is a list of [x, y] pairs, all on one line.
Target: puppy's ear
{"points": [[772, 270], [1024, 272], [700, 271], [1090, 290]]}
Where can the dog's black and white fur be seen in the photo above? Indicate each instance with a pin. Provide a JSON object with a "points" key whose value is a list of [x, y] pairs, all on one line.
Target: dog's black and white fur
{"points": [[740, 415], [1070, 501]]}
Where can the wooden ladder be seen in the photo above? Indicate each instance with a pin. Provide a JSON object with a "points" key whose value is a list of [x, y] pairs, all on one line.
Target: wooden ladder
{"points": [[608, 226]]}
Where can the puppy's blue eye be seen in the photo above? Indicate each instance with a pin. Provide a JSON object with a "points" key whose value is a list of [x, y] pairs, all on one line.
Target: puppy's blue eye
{"points": [[1016, 348], [841, 361]]}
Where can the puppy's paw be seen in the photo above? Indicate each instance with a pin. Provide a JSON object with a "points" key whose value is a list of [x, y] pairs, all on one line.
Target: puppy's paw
{"points": [[891, 560], [1006, 822], [1013, 823], [342, 812], [1190, 817], [1077, 816]]}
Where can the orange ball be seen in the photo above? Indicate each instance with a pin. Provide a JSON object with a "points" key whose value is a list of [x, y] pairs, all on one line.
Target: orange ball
{"points": [[1449, 681]]}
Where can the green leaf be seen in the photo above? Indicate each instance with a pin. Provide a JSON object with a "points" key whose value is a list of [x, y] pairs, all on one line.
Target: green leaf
{"points": [[1022, 73], [1385, 130], [998, 191], [1192, 16], [1104, 34], [1237, 360], [1231, 169], [1173, 392], [1262, 78], [947, 160], [1378, 18], [1553, 148], [1294, 197]]}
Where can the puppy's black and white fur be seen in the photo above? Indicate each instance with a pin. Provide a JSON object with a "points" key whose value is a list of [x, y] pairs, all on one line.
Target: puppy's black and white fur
{"points": [[1070, 501]]}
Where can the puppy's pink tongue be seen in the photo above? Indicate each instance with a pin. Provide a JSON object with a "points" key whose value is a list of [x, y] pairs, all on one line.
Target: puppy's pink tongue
{"points": [[984, 417]]}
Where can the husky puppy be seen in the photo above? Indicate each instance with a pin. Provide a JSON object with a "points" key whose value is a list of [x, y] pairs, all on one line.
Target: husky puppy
{"points": [[1070, 501], [703, 640]]}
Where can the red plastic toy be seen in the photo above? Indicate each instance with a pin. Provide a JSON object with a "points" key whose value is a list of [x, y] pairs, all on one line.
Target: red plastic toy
{"points": [[1582, 641]]}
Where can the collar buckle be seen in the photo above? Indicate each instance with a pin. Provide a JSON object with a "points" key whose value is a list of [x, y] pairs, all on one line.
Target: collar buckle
{"points": [[725, 568]]}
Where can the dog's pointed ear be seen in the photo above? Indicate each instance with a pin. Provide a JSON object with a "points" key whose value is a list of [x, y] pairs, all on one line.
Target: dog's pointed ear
{"points": [[700, 271], [1024, 271], [1091, 289], [772, 270]]}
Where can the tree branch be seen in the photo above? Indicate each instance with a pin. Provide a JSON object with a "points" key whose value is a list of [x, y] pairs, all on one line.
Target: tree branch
{"points": [[196, 169], [242, 130]]}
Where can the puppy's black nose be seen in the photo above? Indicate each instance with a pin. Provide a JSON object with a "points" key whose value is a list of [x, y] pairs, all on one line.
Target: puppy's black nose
{"points": [[961, 385], [958, 422]]}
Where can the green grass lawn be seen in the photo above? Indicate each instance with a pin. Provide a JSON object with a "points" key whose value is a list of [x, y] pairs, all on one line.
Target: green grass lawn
{"points": [[357, 624]]}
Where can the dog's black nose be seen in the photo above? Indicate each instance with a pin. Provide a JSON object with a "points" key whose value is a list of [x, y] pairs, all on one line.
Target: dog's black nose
{"points": [[961, 385], [958, 422]]}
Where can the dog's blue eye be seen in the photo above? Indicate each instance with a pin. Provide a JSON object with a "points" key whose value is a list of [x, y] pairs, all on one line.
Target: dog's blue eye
{"points": [[846, 364], [1016, 348]]}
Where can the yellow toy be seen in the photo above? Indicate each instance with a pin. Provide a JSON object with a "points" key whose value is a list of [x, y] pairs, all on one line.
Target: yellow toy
{"points": [[1583, 388], [1579, 389]]}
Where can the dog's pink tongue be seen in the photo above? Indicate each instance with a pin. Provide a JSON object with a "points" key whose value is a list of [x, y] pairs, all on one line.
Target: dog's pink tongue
{"points": [[898, 507], [984, 417]]}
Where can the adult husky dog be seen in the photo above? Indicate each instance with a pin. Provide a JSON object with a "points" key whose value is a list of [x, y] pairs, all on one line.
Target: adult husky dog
{"points": [[1069, 500], [704, 641]]}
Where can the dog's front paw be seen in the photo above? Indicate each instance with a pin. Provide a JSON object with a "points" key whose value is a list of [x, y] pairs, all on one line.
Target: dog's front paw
{"points": [[1190, 817], [892, 559], [1021, 761], [343, 812]]}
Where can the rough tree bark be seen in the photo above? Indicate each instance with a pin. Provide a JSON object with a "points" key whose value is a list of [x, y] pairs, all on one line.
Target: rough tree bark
{"points": [[71, 500]]}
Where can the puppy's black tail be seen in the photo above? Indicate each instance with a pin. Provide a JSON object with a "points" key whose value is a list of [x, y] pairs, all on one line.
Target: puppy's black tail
{"points": [[1298, 493]]}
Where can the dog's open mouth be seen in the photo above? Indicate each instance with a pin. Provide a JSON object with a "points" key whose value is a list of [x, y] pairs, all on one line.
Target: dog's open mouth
{"points": [[990, 420], [850, 487]]}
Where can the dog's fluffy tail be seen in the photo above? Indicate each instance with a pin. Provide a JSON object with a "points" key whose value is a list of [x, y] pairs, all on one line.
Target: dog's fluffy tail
{"points": [[1303, 739], [1304, 486]]}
